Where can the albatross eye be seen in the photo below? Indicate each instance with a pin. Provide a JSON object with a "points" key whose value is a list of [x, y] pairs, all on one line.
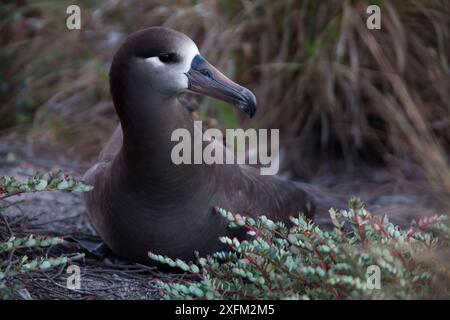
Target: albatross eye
{"points": [[168, 57]]}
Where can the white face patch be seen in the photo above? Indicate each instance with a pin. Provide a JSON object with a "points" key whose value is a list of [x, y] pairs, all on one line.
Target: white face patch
{"points": [[155, 62], [188, 52], [172, 76]]}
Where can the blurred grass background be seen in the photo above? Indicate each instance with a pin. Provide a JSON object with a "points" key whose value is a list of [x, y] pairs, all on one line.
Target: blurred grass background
{"points": [[342, 95]]}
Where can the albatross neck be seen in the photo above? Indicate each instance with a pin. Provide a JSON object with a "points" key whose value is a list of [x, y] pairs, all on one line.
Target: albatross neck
{"points": [[148, 120]]}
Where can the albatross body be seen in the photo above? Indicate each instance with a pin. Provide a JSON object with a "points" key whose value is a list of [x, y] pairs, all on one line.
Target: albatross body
{"points": [[141, 200]]}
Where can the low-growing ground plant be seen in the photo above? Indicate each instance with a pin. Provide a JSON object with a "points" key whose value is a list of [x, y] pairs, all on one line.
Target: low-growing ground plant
{"points": [[303, 261], [276, 261], [21, 254]]}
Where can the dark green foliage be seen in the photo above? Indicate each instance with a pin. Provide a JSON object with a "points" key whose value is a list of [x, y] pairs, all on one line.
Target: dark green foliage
{"points": [[306, 262], [15, 251], [58, 181]]}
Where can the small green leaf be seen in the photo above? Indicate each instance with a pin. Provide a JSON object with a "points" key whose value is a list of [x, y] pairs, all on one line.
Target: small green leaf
{"points": [[41, 185], [63, 185]]}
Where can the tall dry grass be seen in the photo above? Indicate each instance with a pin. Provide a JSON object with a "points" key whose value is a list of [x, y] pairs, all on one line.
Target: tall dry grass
{"points": [[340, 93]]}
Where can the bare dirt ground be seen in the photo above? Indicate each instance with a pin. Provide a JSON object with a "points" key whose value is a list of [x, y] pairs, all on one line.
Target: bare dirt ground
{"points": [[62, 214]]}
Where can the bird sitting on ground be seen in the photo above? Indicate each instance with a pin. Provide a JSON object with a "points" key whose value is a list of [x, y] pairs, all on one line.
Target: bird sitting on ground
{"points": [[141, 200]]}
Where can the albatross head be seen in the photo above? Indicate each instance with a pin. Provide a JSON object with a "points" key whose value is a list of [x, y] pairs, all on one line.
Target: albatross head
{"points": [[169, 63]]}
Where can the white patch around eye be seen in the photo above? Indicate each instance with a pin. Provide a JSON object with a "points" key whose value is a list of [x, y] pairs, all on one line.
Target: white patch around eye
{"points": [[174, 74], [154, 61], [189, 52]]}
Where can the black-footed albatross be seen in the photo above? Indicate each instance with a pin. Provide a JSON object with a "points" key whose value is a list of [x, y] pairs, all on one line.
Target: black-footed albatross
{"points": [[143, 202]]}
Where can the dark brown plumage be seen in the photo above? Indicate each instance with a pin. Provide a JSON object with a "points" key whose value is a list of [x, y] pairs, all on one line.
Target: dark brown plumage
{"points": [[143, 202]]}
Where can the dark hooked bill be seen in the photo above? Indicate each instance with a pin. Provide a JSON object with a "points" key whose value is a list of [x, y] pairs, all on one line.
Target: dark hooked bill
{"points": [[204, 78]]}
